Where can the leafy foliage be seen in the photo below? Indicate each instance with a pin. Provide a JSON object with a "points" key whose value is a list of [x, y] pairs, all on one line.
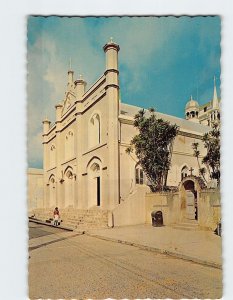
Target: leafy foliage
{"points": [[153, 146], [196, 153], [211, 160]]}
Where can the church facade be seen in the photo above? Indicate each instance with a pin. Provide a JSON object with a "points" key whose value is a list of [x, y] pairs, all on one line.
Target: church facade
{"points": [[85, 162]]}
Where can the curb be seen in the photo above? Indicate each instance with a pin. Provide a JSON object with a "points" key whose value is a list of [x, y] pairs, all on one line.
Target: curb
{"points": [[48, 224], [160, 251]]}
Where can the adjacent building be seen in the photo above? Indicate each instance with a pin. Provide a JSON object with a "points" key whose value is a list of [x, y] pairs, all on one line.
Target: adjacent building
{"points": [[206, 114]]}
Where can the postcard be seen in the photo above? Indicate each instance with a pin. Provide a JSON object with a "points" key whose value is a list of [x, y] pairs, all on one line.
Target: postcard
{"points": [[124, 157]]}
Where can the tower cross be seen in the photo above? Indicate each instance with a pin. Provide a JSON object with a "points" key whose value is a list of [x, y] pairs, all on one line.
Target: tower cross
{"points": [[191, 171]]}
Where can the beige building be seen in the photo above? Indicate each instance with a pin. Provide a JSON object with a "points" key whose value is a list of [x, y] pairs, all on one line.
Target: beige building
{"points": [[85, 163], [206, 114], [35, 188]]}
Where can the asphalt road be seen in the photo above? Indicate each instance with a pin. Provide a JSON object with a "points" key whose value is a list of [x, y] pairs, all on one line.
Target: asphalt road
{"points": [[70, 265]]}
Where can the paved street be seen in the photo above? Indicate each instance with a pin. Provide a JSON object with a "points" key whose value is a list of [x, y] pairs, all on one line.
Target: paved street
{"points": [[71, 265]]}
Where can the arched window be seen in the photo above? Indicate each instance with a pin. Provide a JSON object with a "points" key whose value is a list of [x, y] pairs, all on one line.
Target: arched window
{"points": [[52, 180], [69, 174], [94, 131], [95, 167], [139, 175], [192, 114], [52, 156], [69, 145], [184, 172]]}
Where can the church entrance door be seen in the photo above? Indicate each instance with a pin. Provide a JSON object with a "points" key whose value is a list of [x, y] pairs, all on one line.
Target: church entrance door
{"points": [[98, 190], [94, 186], [69, 189], [189, 200], [52, 192], [190, 205]]}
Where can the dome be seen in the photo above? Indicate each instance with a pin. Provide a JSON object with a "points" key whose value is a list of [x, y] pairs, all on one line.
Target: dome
{"points": [[192, 104]]}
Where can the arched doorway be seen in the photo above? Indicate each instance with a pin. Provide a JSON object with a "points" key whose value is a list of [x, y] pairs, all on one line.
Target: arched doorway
{"points": [[69, 188], [94, 184], [191, 200], [189, 191], [52, 191]]}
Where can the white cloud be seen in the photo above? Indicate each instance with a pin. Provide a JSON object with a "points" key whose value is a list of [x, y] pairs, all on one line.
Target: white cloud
{"points": [[47, 78], [142, 41]]}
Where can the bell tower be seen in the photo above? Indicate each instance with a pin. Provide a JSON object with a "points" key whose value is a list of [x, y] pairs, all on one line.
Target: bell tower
{"points": [[192, 111]]}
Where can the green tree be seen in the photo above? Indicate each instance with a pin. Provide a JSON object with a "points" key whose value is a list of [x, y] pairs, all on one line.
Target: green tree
{"points": [[153, 146], [196, 153], [211, 160]]}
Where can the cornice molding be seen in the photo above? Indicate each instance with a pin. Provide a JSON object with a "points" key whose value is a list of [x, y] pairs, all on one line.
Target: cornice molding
{"points": [[51, 169], [111, 70], [184, 153], [192, 135], [108, 46], [95, 148], [93, 103], [68, 112], [49, 140], [112, 85], [68, 161], [88, 93], [50, 130], [70, 122]]}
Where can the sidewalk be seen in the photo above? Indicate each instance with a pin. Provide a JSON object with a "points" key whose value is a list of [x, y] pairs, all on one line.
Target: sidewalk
{"points": [[202, 247]]}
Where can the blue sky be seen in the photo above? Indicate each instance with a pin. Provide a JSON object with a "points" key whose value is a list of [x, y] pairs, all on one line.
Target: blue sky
{"points": [[162, 62]]}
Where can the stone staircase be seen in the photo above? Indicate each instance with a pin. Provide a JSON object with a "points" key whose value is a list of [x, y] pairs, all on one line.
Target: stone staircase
{"points": [[76, 218], [86, 219], [186, 225]]}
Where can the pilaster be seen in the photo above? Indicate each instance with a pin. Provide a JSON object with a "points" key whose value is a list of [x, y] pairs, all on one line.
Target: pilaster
{"points": [[112, 93]]}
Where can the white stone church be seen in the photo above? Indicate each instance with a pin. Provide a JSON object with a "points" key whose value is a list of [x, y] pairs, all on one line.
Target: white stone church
{"points": [[85, 162]]}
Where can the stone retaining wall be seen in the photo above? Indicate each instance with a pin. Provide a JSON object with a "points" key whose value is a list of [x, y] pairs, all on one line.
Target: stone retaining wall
{"points": [[132, 210], [209, 207], [167, 202]]}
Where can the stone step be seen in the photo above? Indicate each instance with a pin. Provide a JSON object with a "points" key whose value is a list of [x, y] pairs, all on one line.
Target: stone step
{"points": [[84, 216], [103, 220], [73, 221], [84, 226], [74, 218], [186, 225], [185, 228]]}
